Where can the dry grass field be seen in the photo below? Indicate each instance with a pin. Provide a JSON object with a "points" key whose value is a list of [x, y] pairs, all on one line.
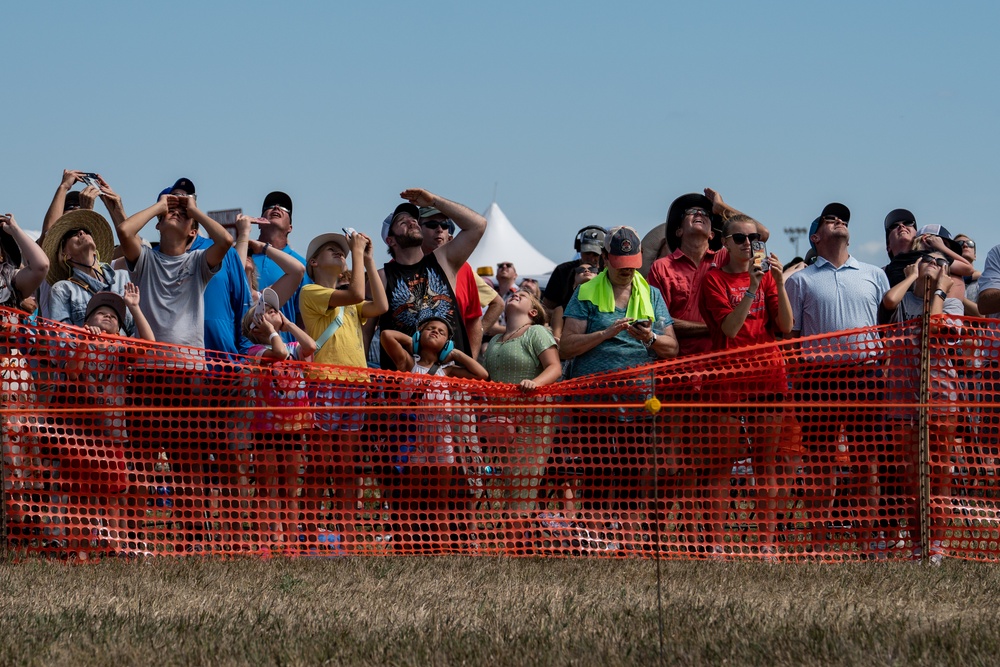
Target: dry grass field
{"points": [[453, 611]]}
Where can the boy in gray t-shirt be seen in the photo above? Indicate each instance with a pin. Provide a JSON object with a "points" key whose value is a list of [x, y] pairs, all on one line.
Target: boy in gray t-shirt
{"points": [[172, 281]]}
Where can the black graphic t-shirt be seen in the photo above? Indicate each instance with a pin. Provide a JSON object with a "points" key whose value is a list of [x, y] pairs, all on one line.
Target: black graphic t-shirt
{"points": [[415, 291]]}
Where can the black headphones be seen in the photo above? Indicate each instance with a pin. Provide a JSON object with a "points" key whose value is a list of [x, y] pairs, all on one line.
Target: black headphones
{"points": [[579, 235]]}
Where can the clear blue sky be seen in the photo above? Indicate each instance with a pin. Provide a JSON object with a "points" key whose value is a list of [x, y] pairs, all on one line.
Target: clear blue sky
{"points": [[583, 113]]}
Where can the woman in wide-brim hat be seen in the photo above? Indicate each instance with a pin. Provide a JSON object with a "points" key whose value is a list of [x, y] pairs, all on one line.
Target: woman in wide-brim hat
{"points": [[78, 245], [61, 264]]}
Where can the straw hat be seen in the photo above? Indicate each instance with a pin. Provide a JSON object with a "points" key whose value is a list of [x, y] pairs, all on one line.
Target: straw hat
{"points": [[95, 225]]}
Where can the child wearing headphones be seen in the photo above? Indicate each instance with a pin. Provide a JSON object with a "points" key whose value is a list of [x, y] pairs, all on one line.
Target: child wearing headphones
{"points": [[431, 351], [429, 452]]}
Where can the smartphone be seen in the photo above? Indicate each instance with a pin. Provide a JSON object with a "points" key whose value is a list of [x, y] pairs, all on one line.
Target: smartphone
{"points": [[90, 179], [349, 231], [759, 255], [643, 324]]}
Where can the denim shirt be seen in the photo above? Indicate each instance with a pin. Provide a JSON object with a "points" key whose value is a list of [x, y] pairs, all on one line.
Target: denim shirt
{"points": [[68, 300]]}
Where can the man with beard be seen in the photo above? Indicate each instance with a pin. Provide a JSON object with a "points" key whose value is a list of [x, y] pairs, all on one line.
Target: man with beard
{"points": [[419, 284], [472, 292]]}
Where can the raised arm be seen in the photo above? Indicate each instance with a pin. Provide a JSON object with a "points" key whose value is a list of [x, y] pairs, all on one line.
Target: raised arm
{"points": [[399, 347], [465, 366], [243, 223], [725, 211], [457, 251], [379, 302], [34, 259], [128, 231], [286, 285], [112, 202], [896, 293], [131, 298], [58, 205], [222, 239]]}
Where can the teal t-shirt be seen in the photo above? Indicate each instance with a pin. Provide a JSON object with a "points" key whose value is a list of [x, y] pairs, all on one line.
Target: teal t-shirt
{"points": [[622, 351]]}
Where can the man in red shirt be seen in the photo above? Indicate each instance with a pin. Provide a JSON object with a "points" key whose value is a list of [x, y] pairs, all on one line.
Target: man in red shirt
{"points": [[690, 246]]}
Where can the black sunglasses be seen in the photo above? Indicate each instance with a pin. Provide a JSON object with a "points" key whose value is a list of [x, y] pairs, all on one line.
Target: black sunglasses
{"points": [[435, 224], [894, 225], [940, 261], [742, 238]]}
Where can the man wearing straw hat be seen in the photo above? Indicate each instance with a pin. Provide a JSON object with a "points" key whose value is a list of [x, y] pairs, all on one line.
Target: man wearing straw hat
{"points": [[77, 246], [678, 254]]}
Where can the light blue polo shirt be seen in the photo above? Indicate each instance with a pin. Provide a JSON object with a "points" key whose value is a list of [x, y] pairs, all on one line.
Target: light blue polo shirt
{"points": [[826, 298]]}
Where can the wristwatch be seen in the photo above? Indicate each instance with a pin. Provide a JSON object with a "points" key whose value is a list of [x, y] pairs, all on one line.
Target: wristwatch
{"points": [[941, 293], [652, 339]]}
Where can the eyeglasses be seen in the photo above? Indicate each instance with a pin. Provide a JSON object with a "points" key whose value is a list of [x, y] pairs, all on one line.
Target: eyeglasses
{"points": [[280, 208], [940, 261], [585, 268], [967, 244], [832, 219], [505, 265], [742, 238], [436, 224], [696, 212], [895, 225]]}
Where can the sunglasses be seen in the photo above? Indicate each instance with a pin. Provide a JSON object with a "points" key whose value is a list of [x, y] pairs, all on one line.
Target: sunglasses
{"points": [[505, 265], [436, 224], [832, 218], [742, 238], [696, 211], [940, 261], [73, 233], [967, 244], [895, 225], [280, 208]]}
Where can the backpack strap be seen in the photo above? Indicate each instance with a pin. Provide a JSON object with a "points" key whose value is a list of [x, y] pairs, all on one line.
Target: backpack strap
{"points": [[330, 330]]}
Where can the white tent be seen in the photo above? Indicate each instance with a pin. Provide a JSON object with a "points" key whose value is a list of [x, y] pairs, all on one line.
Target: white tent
{"points": [[503, 243]]}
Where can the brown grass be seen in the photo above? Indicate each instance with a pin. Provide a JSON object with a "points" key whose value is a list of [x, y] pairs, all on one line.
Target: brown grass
{"points": [[419, 611]]}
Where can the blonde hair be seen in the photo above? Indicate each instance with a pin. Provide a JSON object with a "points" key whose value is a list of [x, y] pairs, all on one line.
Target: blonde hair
{"points": [[541, 315]]}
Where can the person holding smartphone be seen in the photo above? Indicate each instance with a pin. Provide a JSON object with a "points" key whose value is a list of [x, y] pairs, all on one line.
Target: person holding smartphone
{"points": [[744, 303]]}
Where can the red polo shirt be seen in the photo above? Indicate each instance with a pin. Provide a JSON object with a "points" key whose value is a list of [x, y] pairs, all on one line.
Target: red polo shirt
{"points": [[679, 280]]}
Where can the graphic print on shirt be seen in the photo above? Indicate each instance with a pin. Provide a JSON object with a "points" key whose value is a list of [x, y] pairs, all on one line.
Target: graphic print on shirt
{"points": [[417, 296]]}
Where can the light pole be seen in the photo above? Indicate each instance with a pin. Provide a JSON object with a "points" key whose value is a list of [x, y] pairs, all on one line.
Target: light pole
{"points": [[793, 236]]}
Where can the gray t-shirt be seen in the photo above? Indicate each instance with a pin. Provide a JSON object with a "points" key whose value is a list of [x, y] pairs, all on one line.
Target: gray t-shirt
{"points": [[172, 294]]}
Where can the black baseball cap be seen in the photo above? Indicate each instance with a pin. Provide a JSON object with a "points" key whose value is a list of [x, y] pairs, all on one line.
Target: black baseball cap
{"points": [[276, 198]]}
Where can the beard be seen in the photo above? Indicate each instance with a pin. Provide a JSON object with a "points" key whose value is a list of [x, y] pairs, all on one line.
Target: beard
{"points": [[409, 240]]}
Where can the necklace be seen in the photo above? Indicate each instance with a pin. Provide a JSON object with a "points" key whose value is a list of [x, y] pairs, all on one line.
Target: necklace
{"points": [[513, 335]]}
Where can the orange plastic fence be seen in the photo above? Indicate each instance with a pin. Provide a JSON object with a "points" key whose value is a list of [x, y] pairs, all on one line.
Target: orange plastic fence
{"points": [[804, 450]]}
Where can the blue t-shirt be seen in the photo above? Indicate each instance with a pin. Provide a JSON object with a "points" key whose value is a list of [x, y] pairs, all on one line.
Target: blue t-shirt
{"points": [[622, 351], [268, 273], [227, 299]]}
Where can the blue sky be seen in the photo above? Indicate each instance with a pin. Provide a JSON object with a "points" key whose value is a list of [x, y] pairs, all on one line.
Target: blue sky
{"points": [[581, 113]]}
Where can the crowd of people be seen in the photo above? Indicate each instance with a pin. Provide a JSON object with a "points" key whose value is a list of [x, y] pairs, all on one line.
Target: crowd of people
{"points": [[700, 282]]}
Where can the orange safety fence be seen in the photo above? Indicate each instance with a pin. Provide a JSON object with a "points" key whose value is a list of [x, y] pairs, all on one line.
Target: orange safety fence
{"points": [[818, 448]]}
